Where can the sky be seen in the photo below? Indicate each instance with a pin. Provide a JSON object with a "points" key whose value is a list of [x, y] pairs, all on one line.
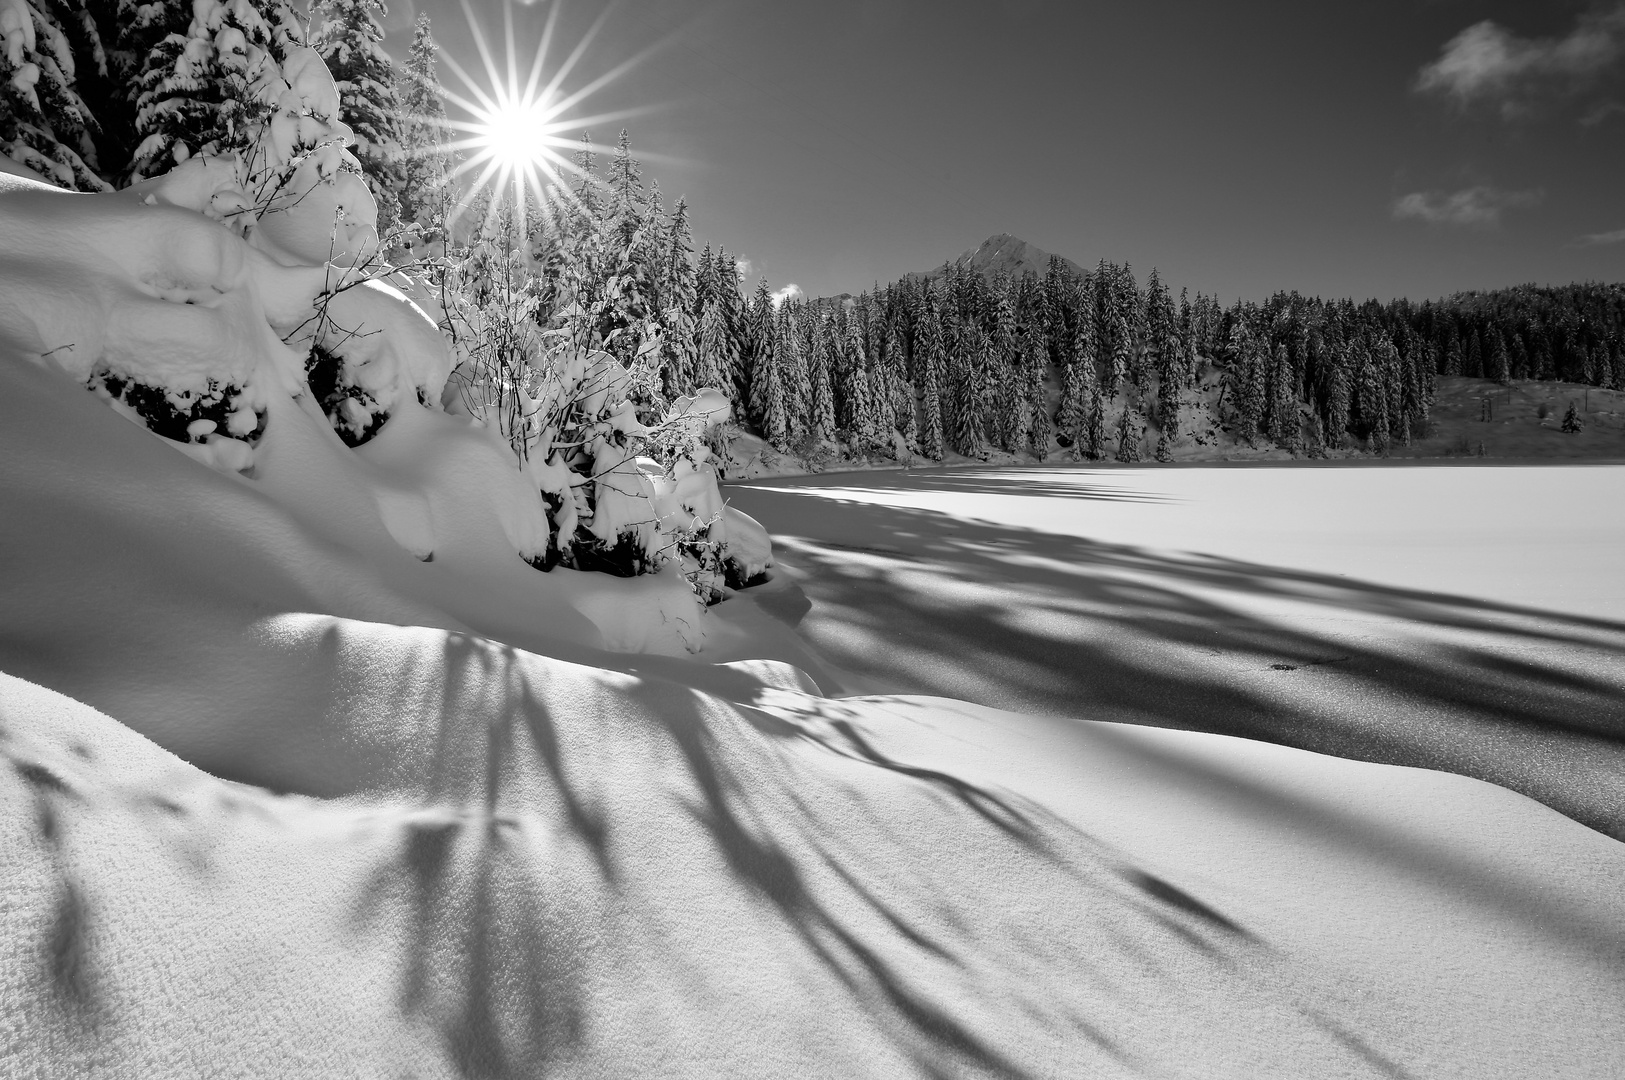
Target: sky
{"points": [[1374, 149]]}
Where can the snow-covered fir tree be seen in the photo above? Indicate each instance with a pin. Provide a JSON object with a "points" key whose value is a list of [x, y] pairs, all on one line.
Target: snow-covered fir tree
{"points": [[45, 124], [426, 192], [930, 365], [1128, 437], [348, 36], [207, 90], [678, 289]]}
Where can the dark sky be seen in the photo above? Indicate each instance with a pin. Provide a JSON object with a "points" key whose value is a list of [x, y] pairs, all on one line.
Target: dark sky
{"points": [[1238, 147]]}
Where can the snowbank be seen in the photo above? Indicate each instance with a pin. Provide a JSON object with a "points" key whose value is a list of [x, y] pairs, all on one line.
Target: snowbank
{"points": [[180, 323]]}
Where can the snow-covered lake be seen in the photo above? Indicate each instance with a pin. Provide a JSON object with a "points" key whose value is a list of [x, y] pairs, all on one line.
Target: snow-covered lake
{"points": [[1469, 618]]}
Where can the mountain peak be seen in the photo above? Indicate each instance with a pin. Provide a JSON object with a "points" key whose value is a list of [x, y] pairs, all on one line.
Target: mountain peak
{"points": [[1003, 253]]}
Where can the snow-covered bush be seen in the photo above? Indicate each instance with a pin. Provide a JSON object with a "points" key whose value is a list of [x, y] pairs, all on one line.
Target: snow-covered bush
{"points": [[624, 496]]}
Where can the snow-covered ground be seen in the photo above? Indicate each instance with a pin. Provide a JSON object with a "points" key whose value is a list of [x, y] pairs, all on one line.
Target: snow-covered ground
{"points": [[306, 772], [1469, 618], [319, 830]]}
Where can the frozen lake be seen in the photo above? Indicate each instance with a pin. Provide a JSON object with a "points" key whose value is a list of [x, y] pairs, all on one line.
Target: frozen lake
{"points": [[1469, 618]]}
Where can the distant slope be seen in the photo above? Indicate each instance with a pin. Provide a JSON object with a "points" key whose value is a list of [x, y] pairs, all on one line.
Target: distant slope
{"points": [[1003, 253], [1000, 253]]}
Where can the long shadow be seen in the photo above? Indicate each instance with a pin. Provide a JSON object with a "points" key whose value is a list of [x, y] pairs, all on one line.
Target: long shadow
{"points": [[500, 952], [1070, 626], [991, 480]]}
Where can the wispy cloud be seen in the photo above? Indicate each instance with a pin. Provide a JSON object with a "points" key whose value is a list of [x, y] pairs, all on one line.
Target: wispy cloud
{"points": [[791, 291], [1594, 239], [1487, 62], [1600, 112], [1477, 207], [742, 267]]}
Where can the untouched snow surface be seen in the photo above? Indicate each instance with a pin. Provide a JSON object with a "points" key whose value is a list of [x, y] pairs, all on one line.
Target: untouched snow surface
{"points": [[1469, 618]]}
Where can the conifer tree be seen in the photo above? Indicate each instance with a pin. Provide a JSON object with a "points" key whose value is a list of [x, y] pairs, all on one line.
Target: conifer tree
{"points": [[426, 191], [1500, 359], [1571, 421], [1078, 386], [861, 427], [45, 124], [1038, 430], [203, 91], [901, 393], [678, 290], [1128, 437], [1338, 394], [348, 36], [819, 361], [1245, 381], [1094, 426], [767, 387], [969, 426], [1283, 419], [717, 356], [759, 353], [930, 363]]}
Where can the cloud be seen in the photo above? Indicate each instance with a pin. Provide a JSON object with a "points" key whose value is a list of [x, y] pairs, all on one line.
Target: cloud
{"points": [[1477, 207], [791, 291], [1600, 112], [1594, 239], [1488, 62], [742, 267]]}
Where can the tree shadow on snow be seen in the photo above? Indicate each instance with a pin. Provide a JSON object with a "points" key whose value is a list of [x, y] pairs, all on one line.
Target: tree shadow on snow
{"points": [[560, 835], [1069, 626]]}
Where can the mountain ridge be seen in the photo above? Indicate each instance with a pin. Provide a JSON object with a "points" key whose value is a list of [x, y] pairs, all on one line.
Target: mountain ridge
{"points": [[1000, 253]]}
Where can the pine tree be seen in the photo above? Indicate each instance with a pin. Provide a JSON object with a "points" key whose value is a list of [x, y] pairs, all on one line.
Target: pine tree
{"points": [[1038, 431], [759, 353], [678, 291], [1500, 359], [426, 192], [718, 359], [1128, 438], [349, 38], [768, 386], [630, 304], [1571, 421], [820, 375], [967, 416], [1338, 394], [45, 124], [930, 364], [901, 393], [1094, 426], [205, 91], [1283, 421], [1246, 381], [1077, 387]]}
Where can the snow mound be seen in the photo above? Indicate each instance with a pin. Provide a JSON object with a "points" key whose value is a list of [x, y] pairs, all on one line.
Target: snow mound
{"points": [[197, 333]]}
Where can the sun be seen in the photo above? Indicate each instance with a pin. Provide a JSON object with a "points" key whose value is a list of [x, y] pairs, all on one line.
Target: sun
{"points": [[517, 132]]}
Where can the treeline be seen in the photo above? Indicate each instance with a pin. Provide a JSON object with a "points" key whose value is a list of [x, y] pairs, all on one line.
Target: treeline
{"points": [[1095, 362]]}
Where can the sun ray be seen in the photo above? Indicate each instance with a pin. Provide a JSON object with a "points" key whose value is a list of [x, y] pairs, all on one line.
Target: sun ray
{"points": [[515, 142]]}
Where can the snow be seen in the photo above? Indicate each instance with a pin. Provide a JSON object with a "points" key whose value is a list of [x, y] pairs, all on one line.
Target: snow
{"points": [[118, 286], [307, 772], [1466, 618]]}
